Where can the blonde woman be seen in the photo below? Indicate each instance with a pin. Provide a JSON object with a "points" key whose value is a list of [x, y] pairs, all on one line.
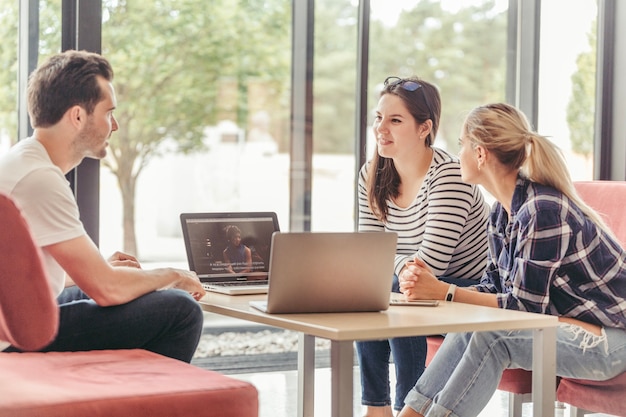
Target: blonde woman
{"points": [[549, 253]]}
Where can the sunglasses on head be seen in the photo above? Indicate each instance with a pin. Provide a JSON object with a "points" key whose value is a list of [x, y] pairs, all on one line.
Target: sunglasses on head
{"points": [[408, 85]]}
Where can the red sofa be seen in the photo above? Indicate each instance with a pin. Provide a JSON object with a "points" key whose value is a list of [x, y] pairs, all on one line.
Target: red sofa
{"points": [[609, 199], [118, 383]]}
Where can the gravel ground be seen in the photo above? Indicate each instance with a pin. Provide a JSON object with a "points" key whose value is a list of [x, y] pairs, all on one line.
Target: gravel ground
{"points": [[232, 343]]}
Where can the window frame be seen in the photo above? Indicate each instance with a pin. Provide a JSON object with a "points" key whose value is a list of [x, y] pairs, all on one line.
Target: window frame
{"points": [[82, 29]]}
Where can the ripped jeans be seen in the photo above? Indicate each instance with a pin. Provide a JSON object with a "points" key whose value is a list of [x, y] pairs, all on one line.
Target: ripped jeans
{"points": [[467, 368]]}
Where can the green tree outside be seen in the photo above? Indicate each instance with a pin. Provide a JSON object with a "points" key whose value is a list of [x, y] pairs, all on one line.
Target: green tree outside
{"points": [[463, 52], [173, 60], [49, 41], [581, 108], [183, 65]]}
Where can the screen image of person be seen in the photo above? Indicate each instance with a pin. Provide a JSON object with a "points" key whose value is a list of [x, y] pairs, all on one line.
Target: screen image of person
{"points": [[237, 256]]}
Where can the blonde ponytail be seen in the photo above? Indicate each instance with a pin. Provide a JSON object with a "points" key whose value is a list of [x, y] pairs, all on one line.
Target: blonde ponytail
{"points": [[546, 165], [505, 132]]}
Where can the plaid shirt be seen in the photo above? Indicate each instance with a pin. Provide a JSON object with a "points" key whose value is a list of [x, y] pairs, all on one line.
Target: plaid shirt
{"points": [[549, 258]]}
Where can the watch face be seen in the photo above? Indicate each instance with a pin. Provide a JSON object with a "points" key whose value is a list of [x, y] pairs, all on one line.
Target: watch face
{"points": [[450, 294]]}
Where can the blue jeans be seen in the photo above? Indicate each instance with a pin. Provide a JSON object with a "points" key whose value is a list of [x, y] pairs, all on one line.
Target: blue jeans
{"points": [[409, 358], [467, 368], [167, 322]]}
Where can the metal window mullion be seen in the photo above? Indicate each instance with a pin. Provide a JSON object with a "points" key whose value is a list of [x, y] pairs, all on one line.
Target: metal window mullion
{"points": [[28, 52], [604, 139], [527, 81], [362, 80], [81, 28], [301, 154]]}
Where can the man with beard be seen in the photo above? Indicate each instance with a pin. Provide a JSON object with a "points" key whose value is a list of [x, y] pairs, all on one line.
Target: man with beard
{"points": [[104, 303]]}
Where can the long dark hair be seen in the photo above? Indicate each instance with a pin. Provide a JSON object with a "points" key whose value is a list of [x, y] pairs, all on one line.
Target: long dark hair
{"points": [[424, 103]]}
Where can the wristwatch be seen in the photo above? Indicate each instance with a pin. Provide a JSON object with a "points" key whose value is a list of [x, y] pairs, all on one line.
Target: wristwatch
{"points": [[450, 293]]}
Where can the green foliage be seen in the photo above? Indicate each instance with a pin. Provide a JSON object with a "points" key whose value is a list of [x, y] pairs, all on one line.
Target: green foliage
{"points": [[179, 63], [334, 79], [171, 58], [8, 69], [463, 52], [174, 61], [581, 107], [49, 42]]}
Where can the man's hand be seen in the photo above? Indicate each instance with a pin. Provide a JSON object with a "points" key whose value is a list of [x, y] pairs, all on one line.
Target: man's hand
{"points": [[187, 281], [120, 278], [123, 259]]}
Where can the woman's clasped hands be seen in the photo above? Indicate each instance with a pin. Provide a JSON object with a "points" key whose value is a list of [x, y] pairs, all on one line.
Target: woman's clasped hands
{"points": [[417, 282]]}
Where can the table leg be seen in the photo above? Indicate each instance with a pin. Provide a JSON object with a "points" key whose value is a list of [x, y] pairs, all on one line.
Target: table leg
{"points": [[544, 372], [342, 369], [306, 375]]}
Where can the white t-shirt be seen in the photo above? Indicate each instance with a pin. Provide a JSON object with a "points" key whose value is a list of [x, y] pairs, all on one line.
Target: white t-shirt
{"points": [[41, 191]]}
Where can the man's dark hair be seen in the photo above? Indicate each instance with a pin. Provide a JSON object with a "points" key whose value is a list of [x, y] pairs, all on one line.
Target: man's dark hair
{"points": [[64, 80]]}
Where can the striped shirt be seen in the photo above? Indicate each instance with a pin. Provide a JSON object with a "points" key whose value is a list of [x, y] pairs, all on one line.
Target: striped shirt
{"points": [[550, 258], [445, 225]]}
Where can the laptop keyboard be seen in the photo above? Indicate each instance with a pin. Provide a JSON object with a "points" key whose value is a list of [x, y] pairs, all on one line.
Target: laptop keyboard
{"points": [[241, 283]]}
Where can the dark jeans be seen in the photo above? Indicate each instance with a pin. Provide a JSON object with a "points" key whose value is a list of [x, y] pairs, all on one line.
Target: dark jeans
{"points": [[167, 322], [409, 358]]}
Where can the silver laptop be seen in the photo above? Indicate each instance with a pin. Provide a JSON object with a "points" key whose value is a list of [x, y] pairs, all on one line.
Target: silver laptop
{"points": [[329, 272], [230, 252]]}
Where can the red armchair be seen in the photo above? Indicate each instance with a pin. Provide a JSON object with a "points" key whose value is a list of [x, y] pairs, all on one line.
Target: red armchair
{"points": [[94, 383], [609, 199]]}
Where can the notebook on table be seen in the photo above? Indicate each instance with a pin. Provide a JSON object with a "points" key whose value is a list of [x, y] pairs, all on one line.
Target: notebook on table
{"points": [[313, 272], [230, 252]]}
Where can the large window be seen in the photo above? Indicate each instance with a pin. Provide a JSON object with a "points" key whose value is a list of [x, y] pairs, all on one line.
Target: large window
{"points": [[204, 92], [334, 82], [567, 81], [8, 74], [203, 106], [460, 46], [45, 41], [442, 42], [207, 128]]}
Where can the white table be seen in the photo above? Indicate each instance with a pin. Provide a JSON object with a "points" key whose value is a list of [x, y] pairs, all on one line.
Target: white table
{"points": [[342, 329]]}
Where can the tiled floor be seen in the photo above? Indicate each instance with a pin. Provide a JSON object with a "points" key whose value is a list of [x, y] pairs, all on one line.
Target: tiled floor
{"points": [[278, 391]]}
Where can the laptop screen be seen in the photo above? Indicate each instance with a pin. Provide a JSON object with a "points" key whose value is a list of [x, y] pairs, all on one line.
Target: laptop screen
{"points": [[229, 246]]}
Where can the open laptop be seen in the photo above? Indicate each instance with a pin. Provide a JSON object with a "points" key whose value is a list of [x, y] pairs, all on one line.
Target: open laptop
{"points": [[230, 252], [313, 272]]}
